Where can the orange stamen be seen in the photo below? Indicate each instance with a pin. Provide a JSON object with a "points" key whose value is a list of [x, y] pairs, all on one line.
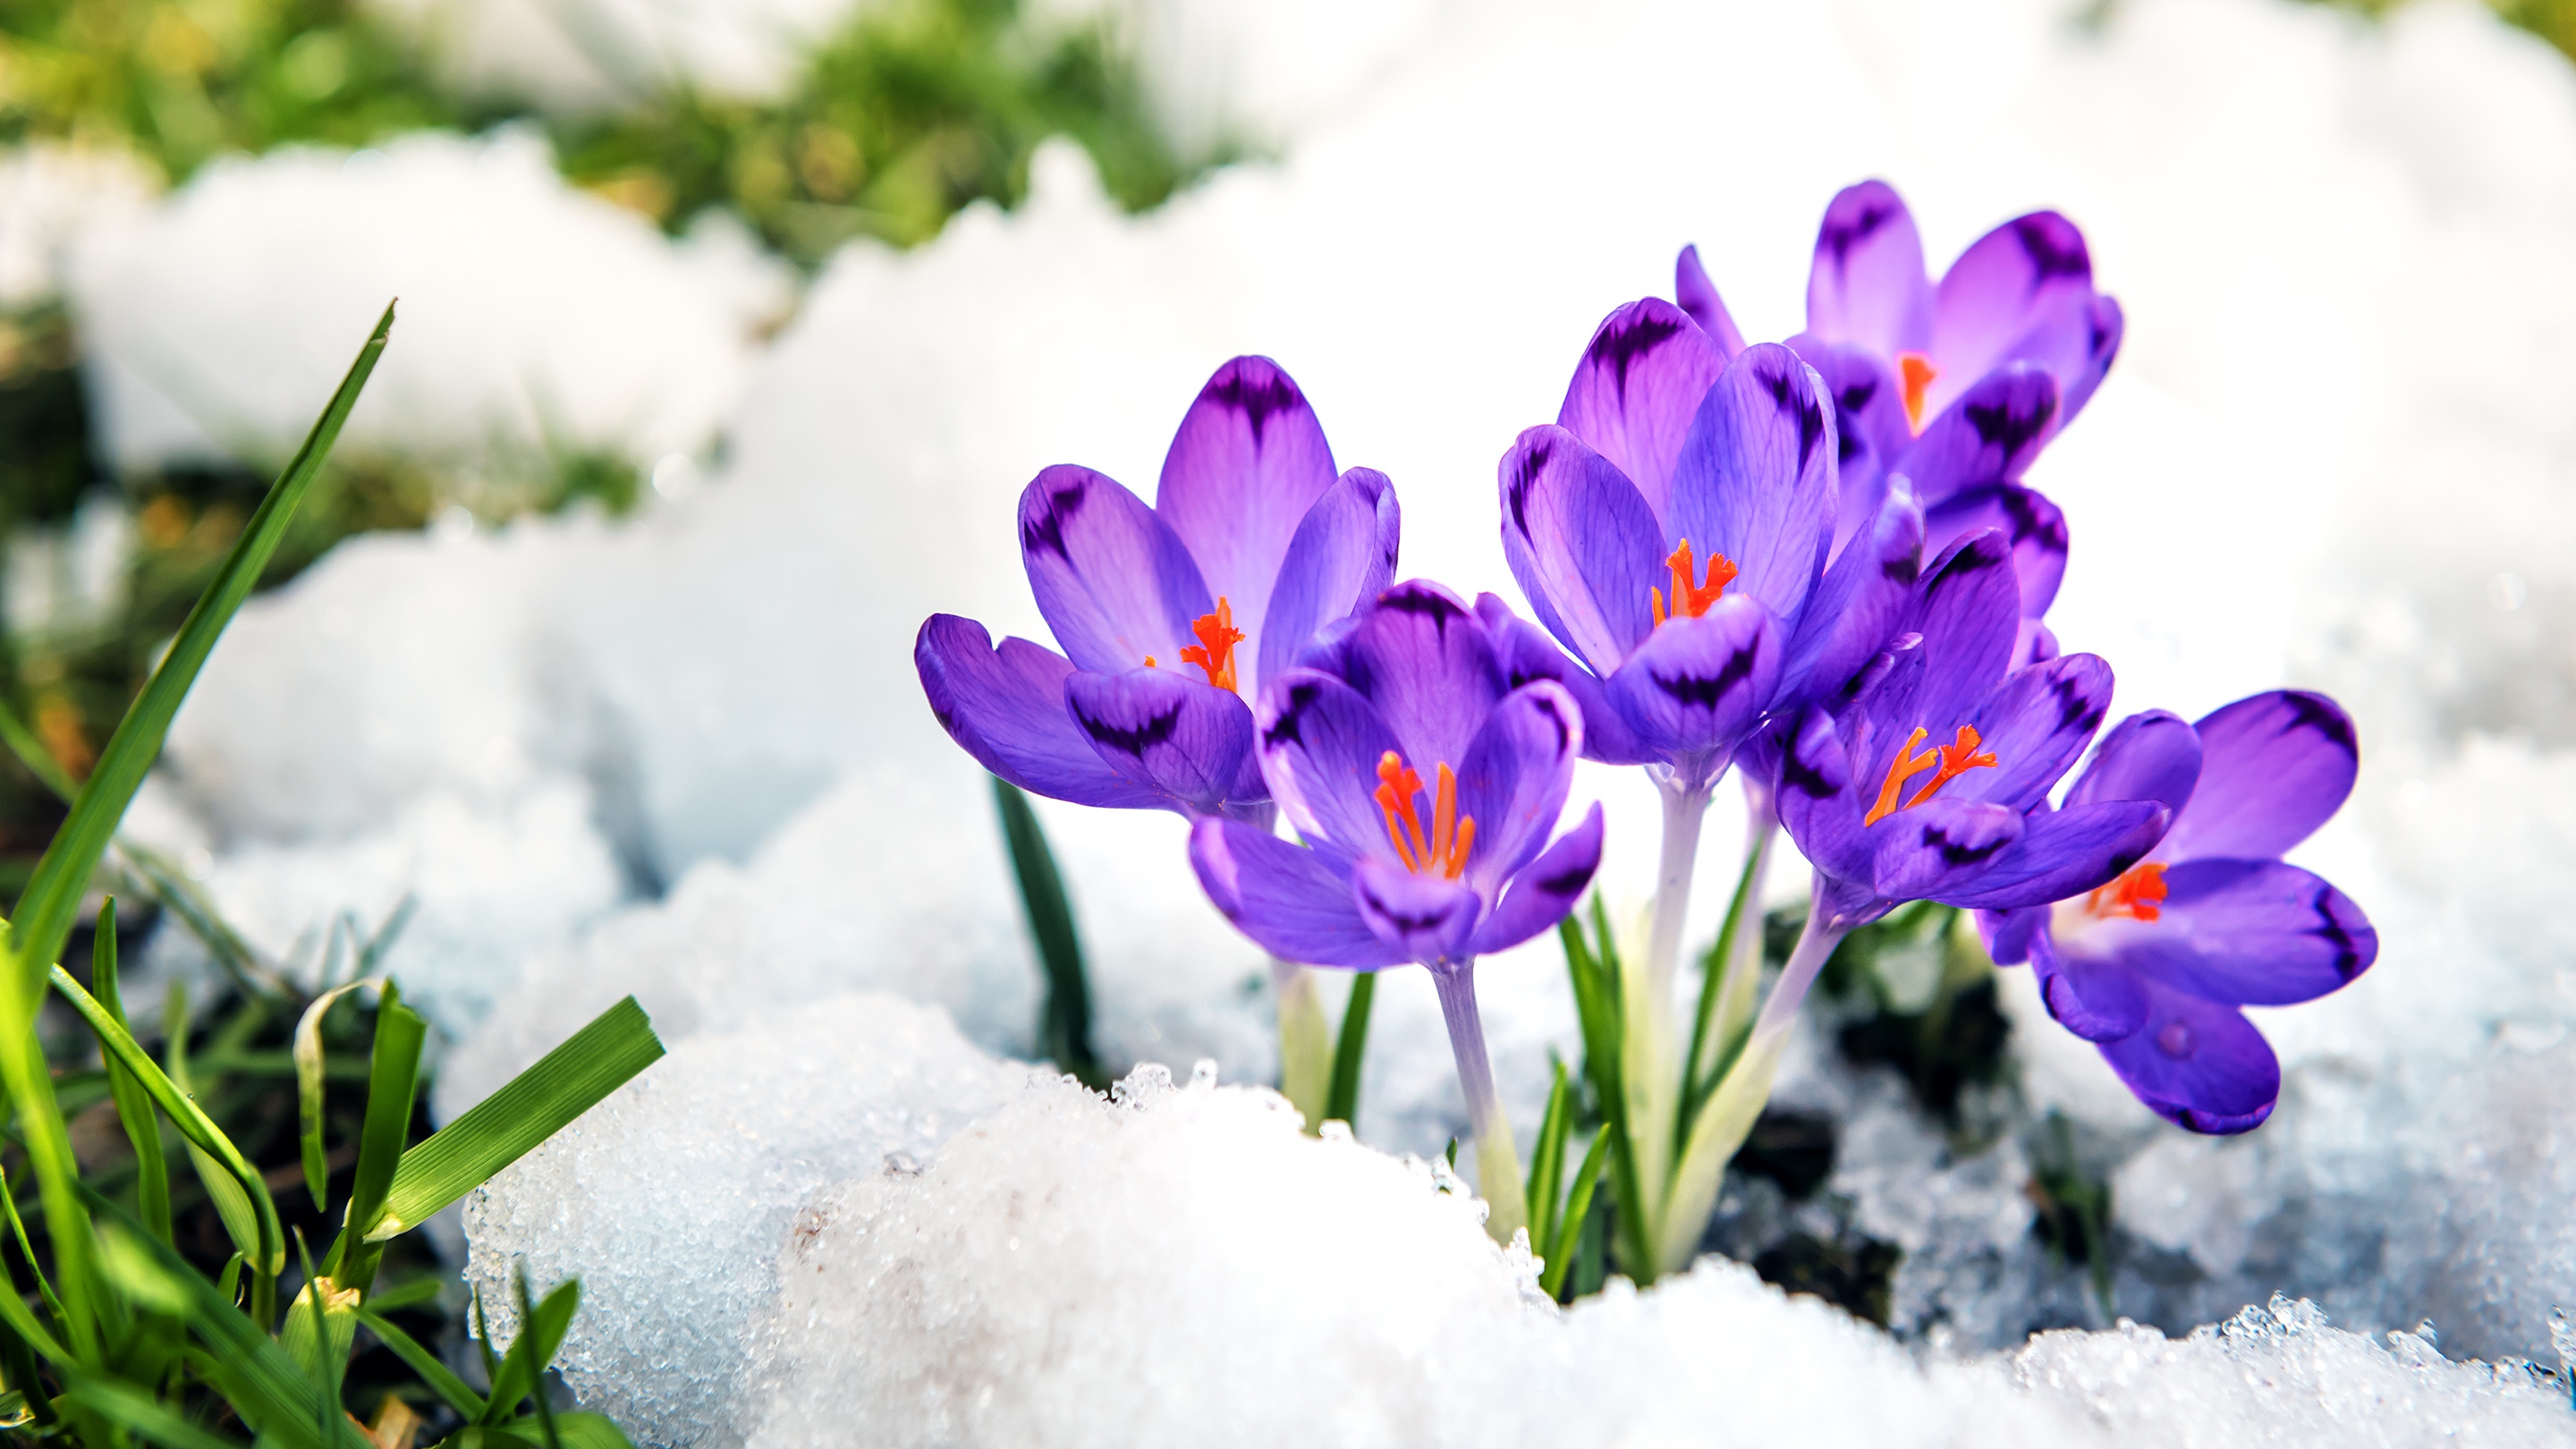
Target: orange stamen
{"points": [[1443, 849], [2135, 894], [1947, 762], [1914, 373], [1214, 653], [1690, 598]]}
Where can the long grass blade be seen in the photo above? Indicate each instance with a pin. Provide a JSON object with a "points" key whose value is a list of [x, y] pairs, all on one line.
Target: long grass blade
{"points": [[308, 1083], [1064, 1024], [141, 1415], [441, 1379], [1578, 1206], [1342, 1099], [134, 1108], [392, 1083], [541, 1331], [502, 1128]]}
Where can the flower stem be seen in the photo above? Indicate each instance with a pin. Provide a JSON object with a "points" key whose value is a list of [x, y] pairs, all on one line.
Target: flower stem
{"points": [[1651, 1046], [1498, 1165], [1305, 1042]]}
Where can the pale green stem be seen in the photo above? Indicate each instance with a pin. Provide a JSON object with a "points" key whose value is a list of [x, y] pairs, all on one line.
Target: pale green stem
{"points": [[1743, 964], [1498, 1164], [1652, 1050], [1732, 1109], [1305, 1042]]}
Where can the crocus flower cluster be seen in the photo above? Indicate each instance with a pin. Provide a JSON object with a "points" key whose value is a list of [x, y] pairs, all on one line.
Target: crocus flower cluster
{"points": [[1815, 563]]}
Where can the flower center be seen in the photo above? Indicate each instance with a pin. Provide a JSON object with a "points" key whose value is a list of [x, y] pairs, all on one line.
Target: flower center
{"points": [[1440, 850], [1946, 762], [1214, 653], [2134, 895], [1914, 374], [1691, 598]]}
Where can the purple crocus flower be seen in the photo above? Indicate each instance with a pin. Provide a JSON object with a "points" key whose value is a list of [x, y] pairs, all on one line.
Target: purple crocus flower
{"points": [[1170, 617], [1423, 784], [2153, 966]]}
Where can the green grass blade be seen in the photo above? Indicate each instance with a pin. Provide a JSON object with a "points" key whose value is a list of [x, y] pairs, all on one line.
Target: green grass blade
{"points": [[544, 1353], [308, 1085], [541, 1331], [1547, 1153], [134, 1108], [441, 1379], [393, 1081], [31, 752], [141, 1415], [1064, 1022], [1578, 1206], [502, 1128], [1342, 1099], [13, 1307], [590, 1431], [43, 920]]}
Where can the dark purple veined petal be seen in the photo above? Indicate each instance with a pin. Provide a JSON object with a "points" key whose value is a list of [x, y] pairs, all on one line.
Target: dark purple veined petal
{"points": [[1755, 480], [2095, 999], [1988, 435], [1697, 687], [1342, 556], [1512, 780], [1636, 390], [1423, 916], [2036, 725], [2274, 767], [1868, 285], [1819, 805], [1863, 602], [2008, 934], [1320, 744], [2103, 325], [1581, 543], [1294, 903], [1965, 617], [1940, 847], [1187, 739], [2034, 525], [1244, 470], [1546, 889], [1698, 297], [1005, 707], [2197, 1064], [2062, 853], [2250, 932], [2149, 756], [2033, 643], [2019, 277], [1870, 430], [1527, 653], [1114, 582], [1425, 664]]}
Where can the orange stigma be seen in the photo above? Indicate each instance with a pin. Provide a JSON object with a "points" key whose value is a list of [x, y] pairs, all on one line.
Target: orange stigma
{"points": [[1690, 598], [1214, 653], [1946, 762], [1914, 374], [2134, 895], [1441, 850]]}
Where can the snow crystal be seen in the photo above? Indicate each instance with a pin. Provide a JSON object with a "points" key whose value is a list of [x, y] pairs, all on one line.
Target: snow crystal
{"points": [[668, 1201]]}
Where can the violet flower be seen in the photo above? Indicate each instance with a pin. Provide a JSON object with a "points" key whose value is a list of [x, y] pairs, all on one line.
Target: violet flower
{"points": [[1170, 617], [2153, 966], [1423, 784]]}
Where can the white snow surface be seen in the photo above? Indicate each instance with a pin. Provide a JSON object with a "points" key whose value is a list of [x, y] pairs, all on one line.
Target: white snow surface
{"points": [[49, 194], [2335, 452]]}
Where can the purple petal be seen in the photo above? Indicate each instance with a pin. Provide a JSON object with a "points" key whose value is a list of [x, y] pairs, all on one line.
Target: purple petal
{"points": [[1698, 297], [2027, 275], [2149, 756], [1862, 603], [1114, 582], [1582, 544], [2197, 1064], [1636, 391], [2100, 343], [1697, 687], [2036, 724], [2033, 643], [2063, 853], [1513, 779], [2096, 1000], [1868, 284], [1189, 740], [1546, 889], [1319, 745], [1423, 661], [2273, 768], [1006, 708], [1343, 555], [1965, 617], [1242, 474], [2035, 527], [1294, 903], [2008, 934], [1818, 804], [1870, 430], [1424, 917], [1755, 481], [1527, 654], [1932, 850], [2251, 932], [1988, 436]]}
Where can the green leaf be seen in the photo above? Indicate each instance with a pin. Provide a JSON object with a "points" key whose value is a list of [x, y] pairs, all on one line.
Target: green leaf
{"points": [[133, 1104], [393, 1080], [1547, 1153], [27, 1250], [1342, 1100], [1701, 1068], [1578, 1206], [543, 1353], [308, 1084], [503, 1127], [541, 1331], [46, 912], [224, 1189], [441, 1379], [140, 1414], [1064, 1022], [139, 1274]]}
